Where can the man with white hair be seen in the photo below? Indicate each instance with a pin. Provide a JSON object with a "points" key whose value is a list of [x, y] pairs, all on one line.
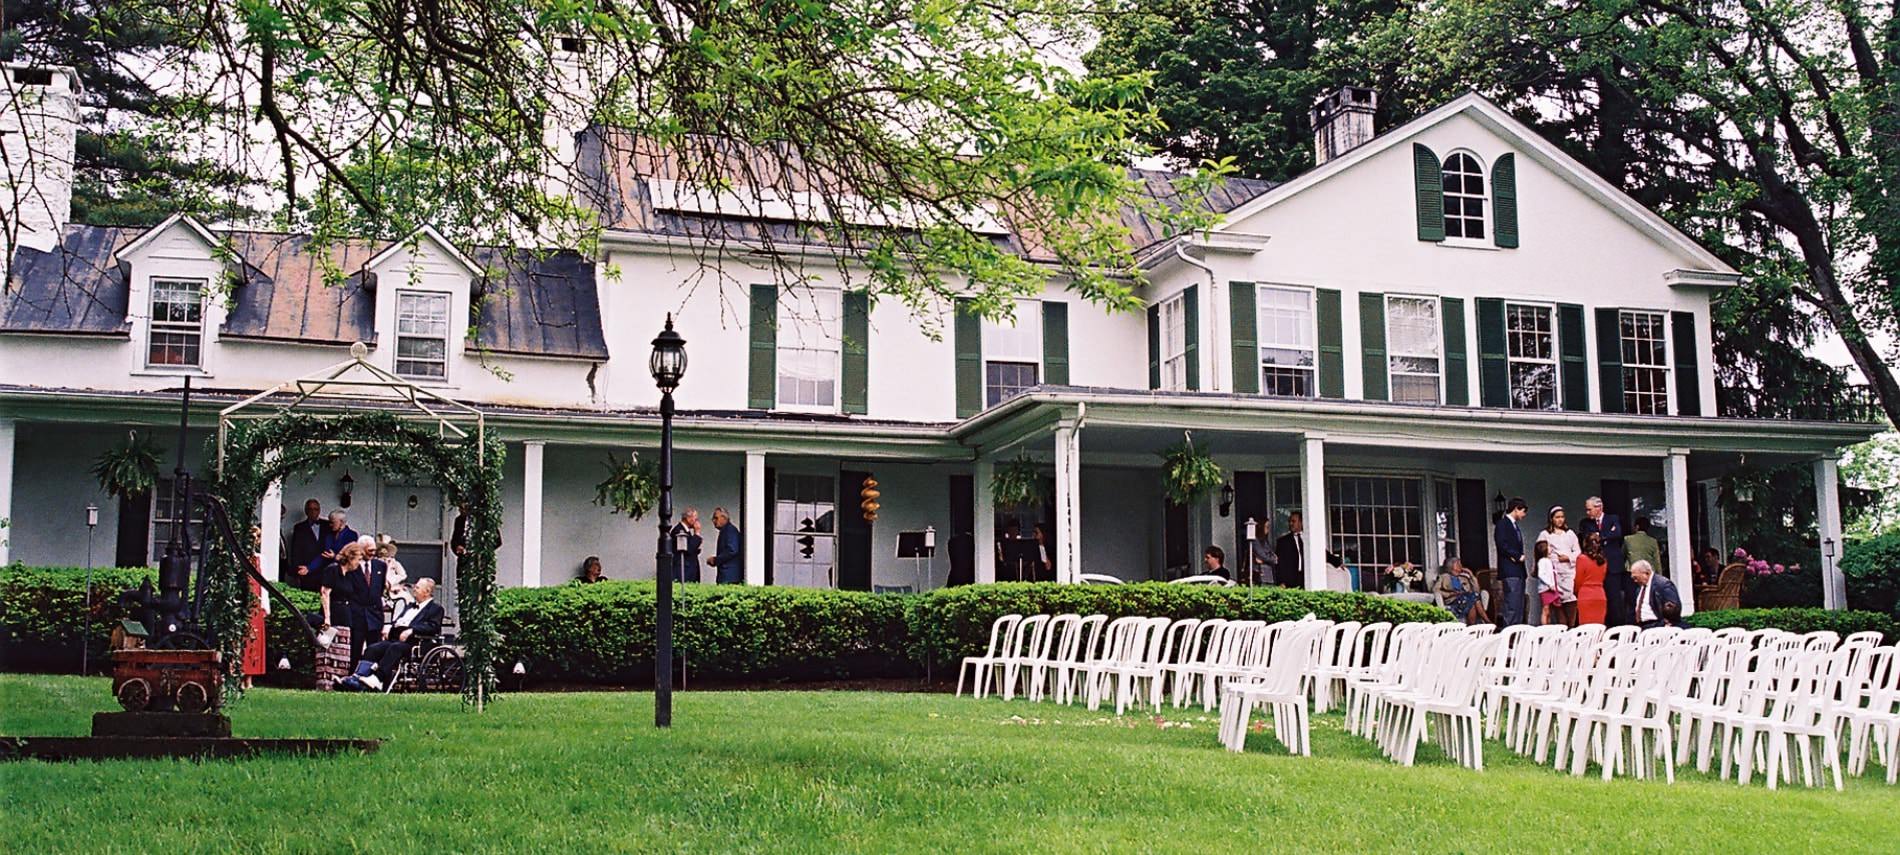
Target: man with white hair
{"points": [[1657, 601], [422, 619]]}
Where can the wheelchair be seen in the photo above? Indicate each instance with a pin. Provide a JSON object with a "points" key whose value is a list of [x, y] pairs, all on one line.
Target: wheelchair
{"points": [[434, 664]]}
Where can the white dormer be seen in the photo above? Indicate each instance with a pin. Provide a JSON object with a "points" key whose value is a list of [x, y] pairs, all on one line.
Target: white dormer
{"points": [[423, 288], [178, 281]]}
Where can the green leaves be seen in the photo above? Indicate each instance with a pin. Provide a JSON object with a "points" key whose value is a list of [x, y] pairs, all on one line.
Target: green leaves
{"points": [[632, 486], [1189, 473], [129, 468], [378, 118], [1017, 483]]}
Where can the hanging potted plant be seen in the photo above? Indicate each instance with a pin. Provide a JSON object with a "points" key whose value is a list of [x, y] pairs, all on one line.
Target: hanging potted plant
{"points": [[128, 469], [1189, 473], [1017, 484], [632, 486]]}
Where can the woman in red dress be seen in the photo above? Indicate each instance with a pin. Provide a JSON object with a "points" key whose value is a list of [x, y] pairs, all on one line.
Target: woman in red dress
{"points": [[1592, 605], [253, 665]]}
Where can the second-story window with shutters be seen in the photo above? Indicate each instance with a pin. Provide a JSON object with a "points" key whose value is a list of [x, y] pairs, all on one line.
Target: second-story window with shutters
{"points": [[1645, 340], [1288, 336], [1531, 338], [1465, 198], [1012, 354], [422, 335], [178, 328], [1413, 349], [809, 347], [1174, 339]]}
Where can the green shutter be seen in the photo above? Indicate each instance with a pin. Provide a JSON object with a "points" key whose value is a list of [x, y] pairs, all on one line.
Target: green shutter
{"points": [[1244, 322], [1191, 317], [1494, 367], [1688, 379], [1332, 358], [1154, 347], [1055, 343], [1429, 190], [856, 383], [1610, 360], [1504, 201], [762, 372], [969, 345], [1372, 366], [1573, 369], [1457, 387]]}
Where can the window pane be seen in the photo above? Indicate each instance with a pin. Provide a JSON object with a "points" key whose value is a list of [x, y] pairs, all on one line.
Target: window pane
{"points": [[1020, 341], [1005, 380]]}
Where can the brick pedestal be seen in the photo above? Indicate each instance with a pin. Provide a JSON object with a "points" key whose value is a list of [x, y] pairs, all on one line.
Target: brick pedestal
{"points": [[333, 663]]}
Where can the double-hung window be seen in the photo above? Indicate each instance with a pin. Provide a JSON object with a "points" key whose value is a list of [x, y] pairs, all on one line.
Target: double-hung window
{"points": [[1531, 342], [1645, 337], [1285, 323], [1413, 350], [1174, 333], [1012, 354], [810, 342], [178, 324], [422, 335]]}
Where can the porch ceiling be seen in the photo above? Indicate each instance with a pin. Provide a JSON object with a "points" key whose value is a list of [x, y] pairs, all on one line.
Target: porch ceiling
{"points": [[1148, 421]]}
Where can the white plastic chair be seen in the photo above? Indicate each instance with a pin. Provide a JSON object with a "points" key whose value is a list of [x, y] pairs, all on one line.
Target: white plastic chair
{"points": [[1002, 632]]}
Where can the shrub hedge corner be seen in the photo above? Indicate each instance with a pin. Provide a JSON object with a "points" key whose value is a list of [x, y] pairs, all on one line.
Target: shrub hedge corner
{"points": [[1799, 620]]}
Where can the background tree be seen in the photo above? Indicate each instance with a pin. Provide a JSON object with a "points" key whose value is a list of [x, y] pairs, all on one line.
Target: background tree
{"points": [[890, 129], [133, 163]]}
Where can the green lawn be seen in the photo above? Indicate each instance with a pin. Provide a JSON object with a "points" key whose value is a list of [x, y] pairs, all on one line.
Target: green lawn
{"points": [[849, 771]]}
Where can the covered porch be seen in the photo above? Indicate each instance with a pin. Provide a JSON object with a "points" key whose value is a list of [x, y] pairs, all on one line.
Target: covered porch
{"points": [[1376, 483]]}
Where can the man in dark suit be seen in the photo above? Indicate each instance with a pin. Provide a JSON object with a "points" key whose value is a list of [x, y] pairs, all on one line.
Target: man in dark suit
{"points": [[1658, 603], [1289, 568], [1619, 593], [728, 550], [336, 535], [382, 659], [306, 537], [1509, 540], [1290, 554], [688, 561]]}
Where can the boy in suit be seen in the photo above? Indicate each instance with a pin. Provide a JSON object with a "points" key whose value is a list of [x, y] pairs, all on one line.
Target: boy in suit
{"points": [[1509, 540]]}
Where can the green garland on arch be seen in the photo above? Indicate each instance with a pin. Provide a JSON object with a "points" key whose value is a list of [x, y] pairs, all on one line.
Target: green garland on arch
{"points": [[467, 471]]}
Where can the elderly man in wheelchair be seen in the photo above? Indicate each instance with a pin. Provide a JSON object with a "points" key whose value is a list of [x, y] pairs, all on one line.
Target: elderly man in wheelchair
{"points": [[412, 624]]}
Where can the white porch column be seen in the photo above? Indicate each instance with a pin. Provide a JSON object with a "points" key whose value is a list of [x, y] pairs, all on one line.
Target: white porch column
{"points": [[1681, 556], [270, 522], [8, 433], [754, 510], [532, 452], [985, 534], [1827, 517], [1313, 508], [1068, 502]]}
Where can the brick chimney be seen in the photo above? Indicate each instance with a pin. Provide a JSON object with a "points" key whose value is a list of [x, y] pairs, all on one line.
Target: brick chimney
{"points": [[38, 122], [1342, 121]]}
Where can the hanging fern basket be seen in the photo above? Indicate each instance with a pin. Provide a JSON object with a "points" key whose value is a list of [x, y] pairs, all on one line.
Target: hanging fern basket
{"points": [[1017, 484], [1188, 473]]}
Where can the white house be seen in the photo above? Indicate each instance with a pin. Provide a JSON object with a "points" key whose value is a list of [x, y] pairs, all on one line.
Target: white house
{"points": [[1434, 317]]}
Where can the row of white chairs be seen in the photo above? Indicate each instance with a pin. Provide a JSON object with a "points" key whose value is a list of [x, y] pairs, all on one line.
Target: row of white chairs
{"points": [[1627, 700]]}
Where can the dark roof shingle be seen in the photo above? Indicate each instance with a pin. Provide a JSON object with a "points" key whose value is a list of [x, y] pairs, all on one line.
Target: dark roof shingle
{"points": [[529, 303]]}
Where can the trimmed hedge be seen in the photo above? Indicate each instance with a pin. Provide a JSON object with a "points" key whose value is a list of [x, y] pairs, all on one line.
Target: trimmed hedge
{"points": [[1799, 621], [1872, 568], [43, 616], [955, 622], [604, 632]]}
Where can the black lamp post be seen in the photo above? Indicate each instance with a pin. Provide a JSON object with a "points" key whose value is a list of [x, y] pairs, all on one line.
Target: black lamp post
{"points": [[668, 365]]}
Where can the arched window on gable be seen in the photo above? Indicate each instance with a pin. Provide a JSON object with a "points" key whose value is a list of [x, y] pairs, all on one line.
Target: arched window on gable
{"points": [[1465, 197]]}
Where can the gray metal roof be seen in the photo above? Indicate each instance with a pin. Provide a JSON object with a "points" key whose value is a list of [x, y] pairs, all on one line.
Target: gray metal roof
{"points": [[527, 303]]}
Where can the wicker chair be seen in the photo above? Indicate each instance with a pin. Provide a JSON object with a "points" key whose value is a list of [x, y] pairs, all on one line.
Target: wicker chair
{"points": [[1726, 593]]}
